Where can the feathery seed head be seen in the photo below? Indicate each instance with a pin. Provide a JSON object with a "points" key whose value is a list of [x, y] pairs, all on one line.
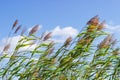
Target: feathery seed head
{"points": [[47, 36], [51, 50], [101, 25], [6, 47], [17, 29], [116, 51], [34, 29], [106, 42], [67, 42], [14, 24], [94, 21]]}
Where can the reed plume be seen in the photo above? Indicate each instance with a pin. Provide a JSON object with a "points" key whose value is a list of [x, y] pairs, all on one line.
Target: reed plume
{"points": [[17, 29], [101, 25], [6, 47], [34, 29], [14, 24], [67, 42], [51, 50], [93, 21], [47, 36], [106, 42]]}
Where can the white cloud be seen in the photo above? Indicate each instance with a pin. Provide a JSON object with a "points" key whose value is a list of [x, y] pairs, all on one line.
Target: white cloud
{"points": [[66, 31], [60, 34], [112, 28]]}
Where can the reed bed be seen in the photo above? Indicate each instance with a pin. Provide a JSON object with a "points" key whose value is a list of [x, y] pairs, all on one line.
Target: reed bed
{"points": [[75, 59]]}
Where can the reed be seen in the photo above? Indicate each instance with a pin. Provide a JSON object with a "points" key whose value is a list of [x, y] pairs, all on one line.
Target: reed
{"points": [[79, 59]]}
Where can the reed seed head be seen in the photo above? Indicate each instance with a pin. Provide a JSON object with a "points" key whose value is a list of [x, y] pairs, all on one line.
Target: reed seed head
{"points": [[116, 51], [53, 61], [47, 36], [85, 41], [17, 29], [88, 40], [51, 50], [67, 42], [81, 41], [101, 25], [34, 29], [14, 24], [106, 42], [6, 47], [94, 21]]}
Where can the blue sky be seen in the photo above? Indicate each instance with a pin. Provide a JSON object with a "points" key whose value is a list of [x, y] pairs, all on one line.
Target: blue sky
{"points": [[52, 13]]}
